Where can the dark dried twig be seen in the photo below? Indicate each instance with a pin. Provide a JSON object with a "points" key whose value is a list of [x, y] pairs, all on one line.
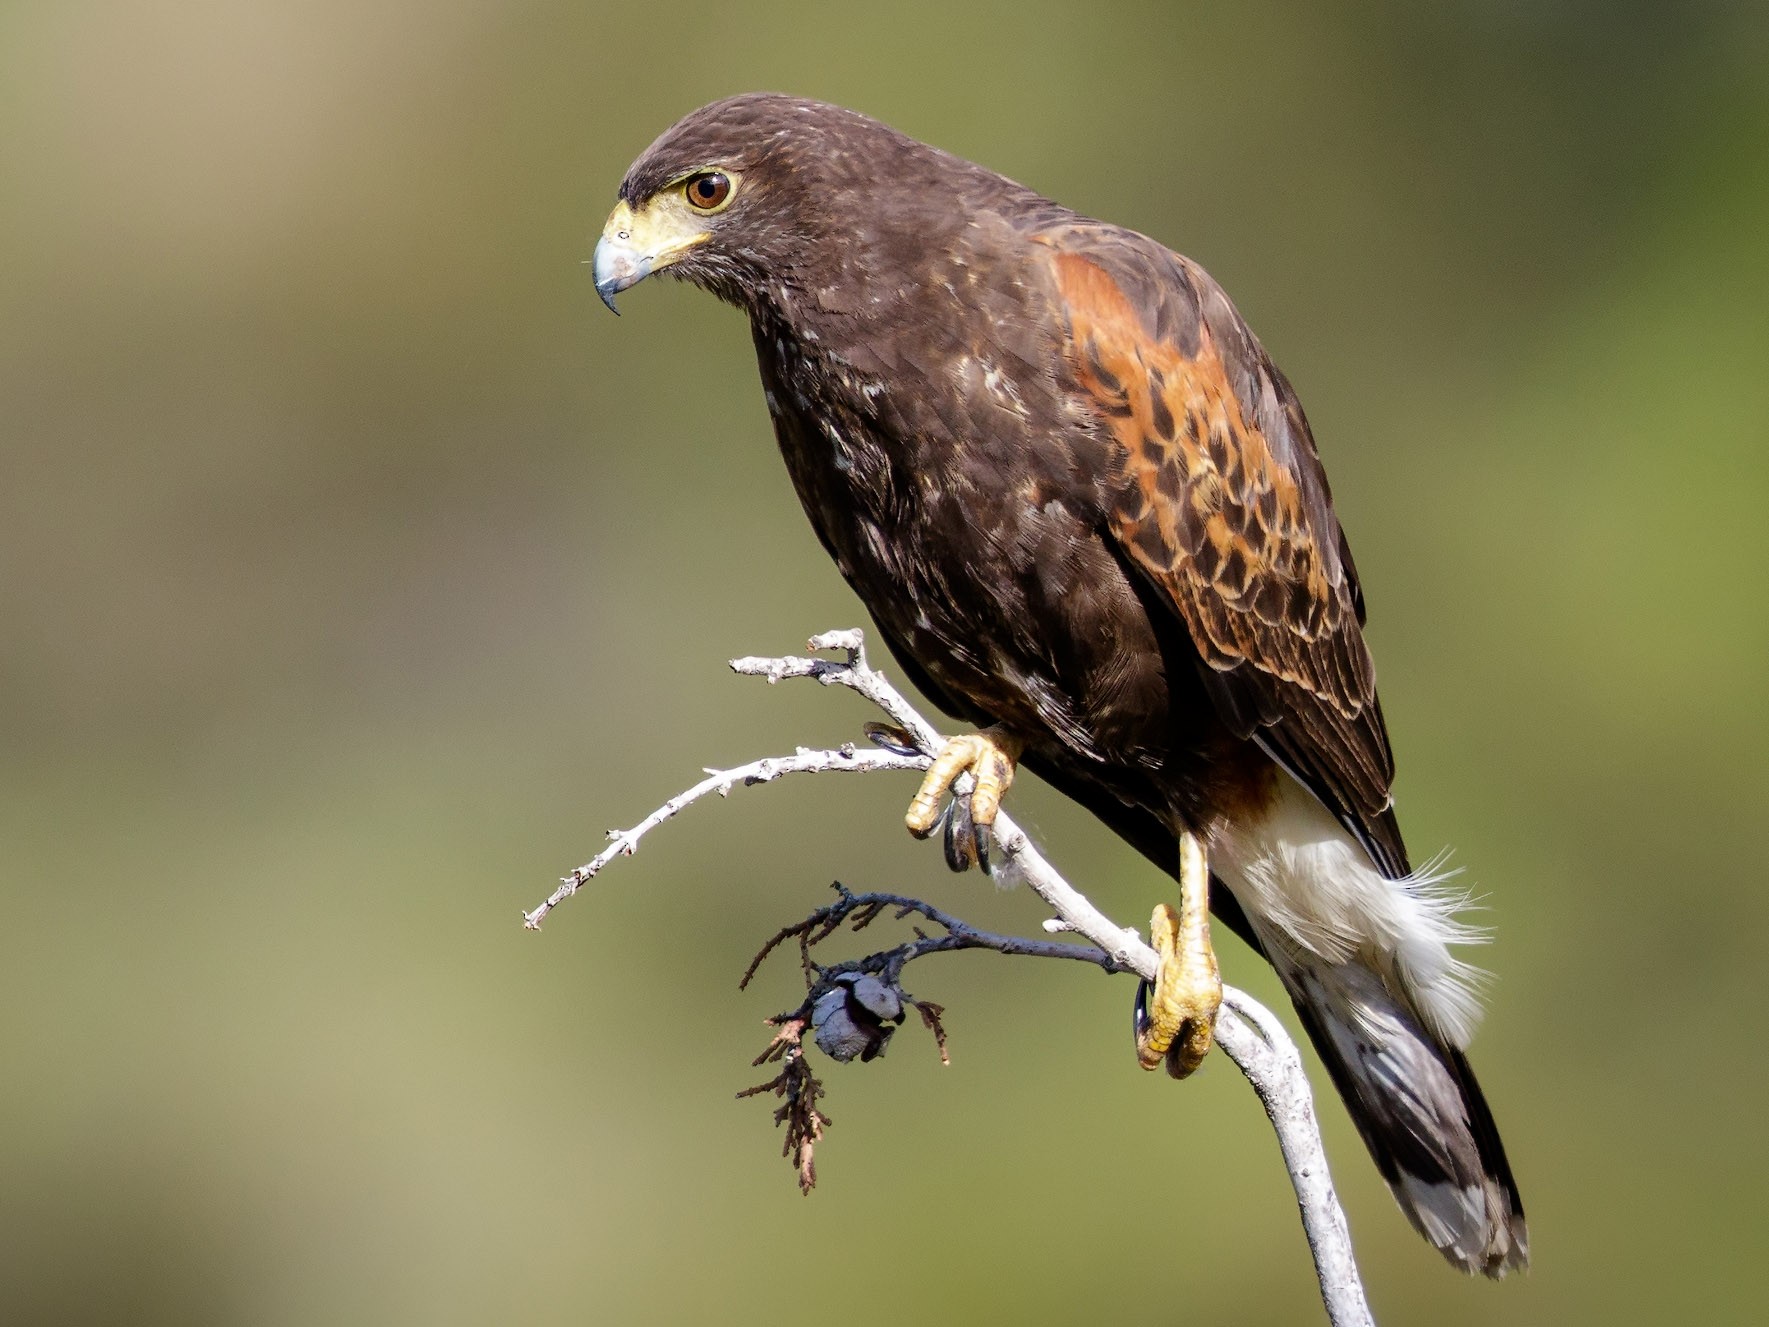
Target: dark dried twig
{"points": [[854, 1017], [860, 910]]}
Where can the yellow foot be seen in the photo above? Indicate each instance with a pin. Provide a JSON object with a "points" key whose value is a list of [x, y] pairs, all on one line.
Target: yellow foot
{"points": [[988, 757], [1176, 1015]]}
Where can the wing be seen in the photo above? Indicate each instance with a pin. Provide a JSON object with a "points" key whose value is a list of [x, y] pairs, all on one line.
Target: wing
{"points": [[1222, 503]]}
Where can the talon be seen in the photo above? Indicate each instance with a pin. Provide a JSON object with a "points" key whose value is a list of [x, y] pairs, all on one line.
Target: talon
{"points": [[988, 757], [1175, 1017], [960, 835], [891, 738]]}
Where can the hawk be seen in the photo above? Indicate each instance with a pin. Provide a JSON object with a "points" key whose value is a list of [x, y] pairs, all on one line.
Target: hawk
{"points": [[1086, 512]]}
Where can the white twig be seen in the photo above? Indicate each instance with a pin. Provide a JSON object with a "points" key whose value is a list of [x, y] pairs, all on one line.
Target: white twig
{"points": [[625, 842], [1248, 1033]]}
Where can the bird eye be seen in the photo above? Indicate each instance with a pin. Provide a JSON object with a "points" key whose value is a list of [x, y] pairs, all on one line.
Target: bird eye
{"points": [[708, 191]]}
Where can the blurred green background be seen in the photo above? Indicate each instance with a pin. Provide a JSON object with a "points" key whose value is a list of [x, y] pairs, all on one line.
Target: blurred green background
{"points": [[357, 571]]}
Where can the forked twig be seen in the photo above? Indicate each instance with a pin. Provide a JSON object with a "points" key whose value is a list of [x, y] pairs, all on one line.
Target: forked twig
{"points": [[1247, 1032]]}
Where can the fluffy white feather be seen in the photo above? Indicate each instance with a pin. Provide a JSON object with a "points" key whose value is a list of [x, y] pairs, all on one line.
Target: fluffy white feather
{"points": [[1314, 896]]}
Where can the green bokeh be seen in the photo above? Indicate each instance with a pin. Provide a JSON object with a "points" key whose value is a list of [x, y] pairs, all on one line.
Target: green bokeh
{"points": [[357, 570]]}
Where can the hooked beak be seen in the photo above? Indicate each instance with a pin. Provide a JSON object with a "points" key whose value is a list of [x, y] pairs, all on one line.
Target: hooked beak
{"points": [[618, 265], [636, 244]]}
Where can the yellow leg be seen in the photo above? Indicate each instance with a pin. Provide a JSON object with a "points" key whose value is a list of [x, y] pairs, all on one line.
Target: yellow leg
{"points": [[1176, 1018], [989, 758]]}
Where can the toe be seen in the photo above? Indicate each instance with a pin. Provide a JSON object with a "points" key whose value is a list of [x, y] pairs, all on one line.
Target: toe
{"points": [[1189, 1048]]}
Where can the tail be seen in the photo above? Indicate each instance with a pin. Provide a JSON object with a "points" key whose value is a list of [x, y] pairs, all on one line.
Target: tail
{"points": [[1414, 1099]]}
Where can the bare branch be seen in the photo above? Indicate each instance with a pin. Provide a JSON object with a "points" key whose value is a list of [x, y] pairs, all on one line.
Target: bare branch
{"points": [[625, 842], [1247, 1032]]}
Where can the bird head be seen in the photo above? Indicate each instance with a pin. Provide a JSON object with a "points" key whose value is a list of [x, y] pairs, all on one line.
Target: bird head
{"points": [[764, 195], [734, 196]]}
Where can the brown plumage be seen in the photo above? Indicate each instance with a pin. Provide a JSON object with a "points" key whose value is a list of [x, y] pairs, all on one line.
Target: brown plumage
{"points": [[1082, 504]]}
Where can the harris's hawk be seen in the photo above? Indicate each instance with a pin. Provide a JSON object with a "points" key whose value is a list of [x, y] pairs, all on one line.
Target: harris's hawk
{"points": [[1085, 510]]}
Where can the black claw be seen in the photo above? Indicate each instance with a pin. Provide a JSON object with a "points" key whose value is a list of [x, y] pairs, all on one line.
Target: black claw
{"points": [[1139, 1015], [891, 738], [955, 821], [980, 843]]}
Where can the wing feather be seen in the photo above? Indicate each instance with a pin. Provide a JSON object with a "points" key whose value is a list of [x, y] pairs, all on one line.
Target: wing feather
{"points": [[1223, 504]]}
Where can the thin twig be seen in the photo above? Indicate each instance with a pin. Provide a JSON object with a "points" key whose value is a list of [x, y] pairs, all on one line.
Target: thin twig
{"points": [[625, 842], [859, 910]]}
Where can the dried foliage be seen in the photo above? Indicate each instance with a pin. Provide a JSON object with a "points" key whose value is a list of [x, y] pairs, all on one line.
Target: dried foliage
{"points": [[930, 1018], [799, 1091], [853, 1007]]}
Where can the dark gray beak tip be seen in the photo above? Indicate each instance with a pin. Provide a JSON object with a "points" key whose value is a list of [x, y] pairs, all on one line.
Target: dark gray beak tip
{"points": [[607, 291]]}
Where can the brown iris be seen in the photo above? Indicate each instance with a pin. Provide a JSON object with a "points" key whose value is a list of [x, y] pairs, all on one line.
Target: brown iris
{"points": [[709, 190]]}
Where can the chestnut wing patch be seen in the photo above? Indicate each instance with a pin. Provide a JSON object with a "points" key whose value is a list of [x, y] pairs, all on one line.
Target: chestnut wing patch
{"points": [[1223, 505]]}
